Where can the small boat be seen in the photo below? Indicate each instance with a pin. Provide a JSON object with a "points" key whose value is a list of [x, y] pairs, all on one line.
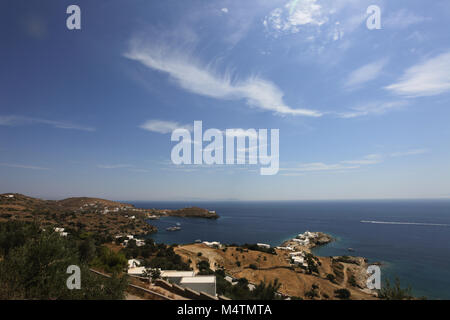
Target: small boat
{"points": [[351, 249], [173, 229]]}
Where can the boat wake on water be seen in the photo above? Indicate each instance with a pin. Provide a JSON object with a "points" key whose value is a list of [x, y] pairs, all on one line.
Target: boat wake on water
{"points": [[407, 223]]}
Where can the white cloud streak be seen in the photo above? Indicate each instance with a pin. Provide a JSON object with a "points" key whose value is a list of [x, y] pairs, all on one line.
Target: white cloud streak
{"points": [[194, 77], [368, 160], [161, 126], [373, 108], [409, 153], [20, 166], [365, 74], [114, 166], [19, 120], [428, 78]]}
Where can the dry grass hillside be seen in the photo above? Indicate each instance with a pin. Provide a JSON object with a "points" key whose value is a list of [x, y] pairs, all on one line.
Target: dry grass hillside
{"points": [[256, 266], [104, 217]]}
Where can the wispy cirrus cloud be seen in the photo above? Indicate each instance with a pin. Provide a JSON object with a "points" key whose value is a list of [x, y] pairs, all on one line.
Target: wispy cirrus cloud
{"points": [[203, 79], [409, 153], [365, 74], [162, 126], [12, 120], [22, 166], [373, 108], [429, 78], [368, 160], [114, 166]]}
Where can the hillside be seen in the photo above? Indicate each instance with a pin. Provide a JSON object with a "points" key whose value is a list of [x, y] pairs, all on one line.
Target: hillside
{"points": [[107, 218], [193, 212], [257, 266]]}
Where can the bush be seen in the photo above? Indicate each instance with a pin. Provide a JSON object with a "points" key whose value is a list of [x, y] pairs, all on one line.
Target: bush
{"points": [[110, 261], [331, 278], [35, 268], [395, 292], [343, 294], [352, 281], [253, 266]]}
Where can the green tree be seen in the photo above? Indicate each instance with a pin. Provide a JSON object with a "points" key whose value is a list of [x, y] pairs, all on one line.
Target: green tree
{"points": [[36, 269], [395, 291]]}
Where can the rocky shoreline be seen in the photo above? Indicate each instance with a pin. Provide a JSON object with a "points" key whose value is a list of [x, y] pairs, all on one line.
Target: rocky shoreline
{"points": [[307, 240]]}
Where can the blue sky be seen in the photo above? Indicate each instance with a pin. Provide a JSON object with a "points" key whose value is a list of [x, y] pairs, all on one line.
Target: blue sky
{"points": [[362, 113]]}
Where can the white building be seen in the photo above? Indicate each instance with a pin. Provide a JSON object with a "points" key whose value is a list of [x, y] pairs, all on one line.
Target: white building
{"points": [[299, 261], [263, 245], [205, 284], [140, 242], [61, 232], [285, 248], [296, 254], [213, 244], [301, 242], [176, 276], [133, 263], [137, 271]]}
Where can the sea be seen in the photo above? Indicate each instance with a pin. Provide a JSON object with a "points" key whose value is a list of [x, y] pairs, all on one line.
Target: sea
{"points": [[410, 238]]}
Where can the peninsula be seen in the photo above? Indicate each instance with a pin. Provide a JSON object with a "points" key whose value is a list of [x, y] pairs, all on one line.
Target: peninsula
{"points": [[83, 214]]}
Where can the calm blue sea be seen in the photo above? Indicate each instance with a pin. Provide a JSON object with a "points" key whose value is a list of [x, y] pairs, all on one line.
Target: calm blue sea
{"points": [[419, 253]]}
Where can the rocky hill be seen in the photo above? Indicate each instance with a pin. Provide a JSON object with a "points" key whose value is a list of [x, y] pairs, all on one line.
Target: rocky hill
{"points": [[193, 212], [108, 218]]}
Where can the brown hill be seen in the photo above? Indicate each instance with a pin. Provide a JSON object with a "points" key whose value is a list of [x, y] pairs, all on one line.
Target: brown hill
{"points": [[81, 214]]}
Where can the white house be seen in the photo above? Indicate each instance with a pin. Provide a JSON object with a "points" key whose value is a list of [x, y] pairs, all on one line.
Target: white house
{"points": [[230, 280], [205, 284], [175, 276], [61, 232], [212, 244], [263, 245], [299, 261], [133, 263], [301, 242], [296, 254], [140, 242], [286, 248], [137, 271]]}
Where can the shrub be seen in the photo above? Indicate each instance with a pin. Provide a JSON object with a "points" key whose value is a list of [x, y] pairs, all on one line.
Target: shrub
{"points": [[342, 294], [331, 278], [395, 292]]}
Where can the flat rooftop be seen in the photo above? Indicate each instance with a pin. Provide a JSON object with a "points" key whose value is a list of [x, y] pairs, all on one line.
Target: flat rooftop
{"points": [[176, 274], [199, 279]]}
